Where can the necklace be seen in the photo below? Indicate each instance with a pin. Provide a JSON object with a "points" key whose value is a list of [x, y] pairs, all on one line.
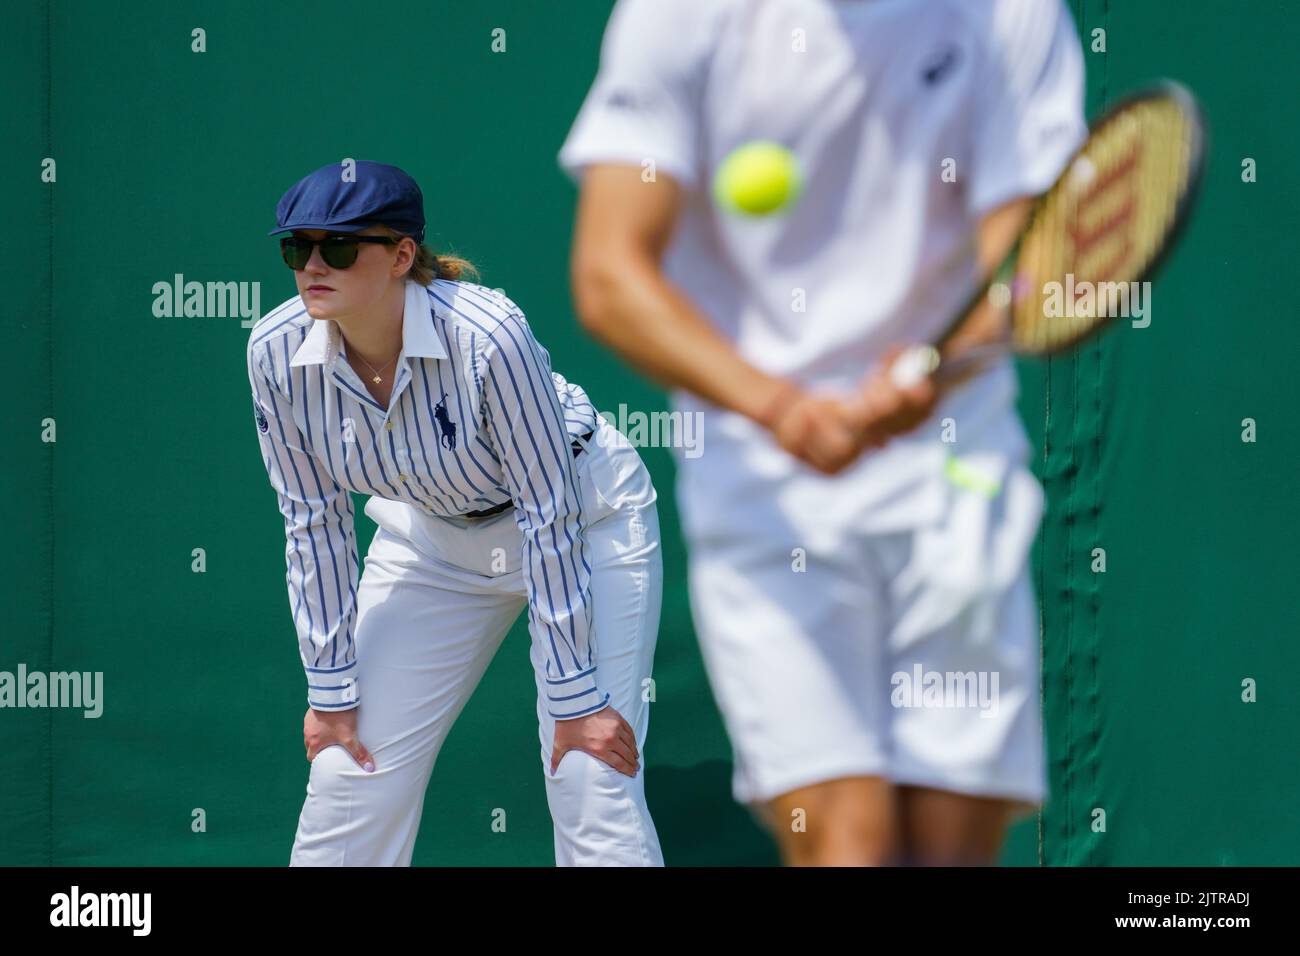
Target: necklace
{"points": [[377, 379]]}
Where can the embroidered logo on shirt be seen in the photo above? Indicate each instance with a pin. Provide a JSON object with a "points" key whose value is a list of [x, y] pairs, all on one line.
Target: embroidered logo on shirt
{"points": [[941, 65], [626, 99], [259, 417], [445, 424]]}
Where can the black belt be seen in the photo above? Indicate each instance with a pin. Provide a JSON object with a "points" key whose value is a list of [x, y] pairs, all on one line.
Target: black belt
{"points": [[576, 445]]}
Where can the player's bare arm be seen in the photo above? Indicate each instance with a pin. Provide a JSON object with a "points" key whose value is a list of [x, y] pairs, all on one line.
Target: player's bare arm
{"points": [[625, 301]]}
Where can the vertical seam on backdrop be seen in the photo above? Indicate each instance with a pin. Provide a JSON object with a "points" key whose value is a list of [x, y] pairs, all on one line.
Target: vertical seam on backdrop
{"points": [[1042, 577], [1071, 513], [1047, 441], [1042, 582], [1042, 599], [1042, 702], [1080, 18], [1069, 590], [1042, 593], [1095, 584], [49, 396], [1095, 749]]}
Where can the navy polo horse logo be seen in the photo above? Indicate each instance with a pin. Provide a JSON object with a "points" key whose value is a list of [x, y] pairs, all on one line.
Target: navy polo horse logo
{"points": [[445, 424]]}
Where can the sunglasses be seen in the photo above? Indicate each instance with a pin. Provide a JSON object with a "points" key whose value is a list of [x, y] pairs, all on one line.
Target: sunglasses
{"points": [[339, 252]]}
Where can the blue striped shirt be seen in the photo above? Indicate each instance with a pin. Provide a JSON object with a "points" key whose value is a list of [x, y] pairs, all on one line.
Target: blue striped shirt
{"points": [[476, 418]]}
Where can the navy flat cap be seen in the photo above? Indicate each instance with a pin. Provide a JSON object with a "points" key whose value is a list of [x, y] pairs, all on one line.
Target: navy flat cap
{"points": [[382, 195]]}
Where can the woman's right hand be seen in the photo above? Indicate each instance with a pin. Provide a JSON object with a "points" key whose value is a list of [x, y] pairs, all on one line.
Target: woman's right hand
{"points": [[324, 728], [606, 735]]}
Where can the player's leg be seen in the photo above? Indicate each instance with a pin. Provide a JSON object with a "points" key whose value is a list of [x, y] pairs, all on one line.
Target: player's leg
{"points": [[942, 828], [600, 815], [422, 646], [966, 730], [792, 646], [852, 821]]}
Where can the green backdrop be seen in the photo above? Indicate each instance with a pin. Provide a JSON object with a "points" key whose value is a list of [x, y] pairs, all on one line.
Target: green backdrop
{"points": [[171, 161]]}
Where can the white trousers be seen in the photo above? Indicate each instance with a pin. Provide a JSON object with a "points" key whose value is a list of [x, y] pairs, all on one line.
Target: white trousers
{"points": [[433, 607]]}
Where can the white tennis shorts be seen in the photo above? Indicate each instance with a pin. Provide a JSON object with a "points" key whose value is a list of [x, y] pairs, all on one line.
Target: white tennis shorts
{"points": [[910, 655]]}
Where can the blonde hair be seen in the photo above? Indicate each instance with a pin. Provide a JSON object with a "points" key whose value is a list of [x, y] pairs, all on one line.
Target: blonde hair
{"points": [[428, 265]]}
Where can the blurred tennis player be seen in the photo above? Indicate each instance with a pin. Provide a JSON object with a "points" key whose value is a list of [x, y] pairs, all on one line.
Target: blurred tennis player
{"points": [[857, 551]]}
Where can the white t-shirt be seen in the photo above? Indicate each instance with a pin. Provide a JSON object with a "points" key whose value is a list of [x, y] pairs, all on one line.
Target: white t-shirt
{"points": [[876, 98]]}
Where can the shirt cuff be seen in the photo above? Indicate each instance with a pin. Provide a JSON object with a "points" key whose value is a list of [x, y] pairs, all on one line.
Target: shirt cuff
{"points": [[333, 688], [576, 695]]}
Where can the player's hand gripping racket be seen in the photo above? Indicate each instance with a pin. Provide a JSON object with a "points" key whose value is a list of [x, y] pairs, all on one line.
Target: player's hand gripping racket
{"points": [[1110, 217]]}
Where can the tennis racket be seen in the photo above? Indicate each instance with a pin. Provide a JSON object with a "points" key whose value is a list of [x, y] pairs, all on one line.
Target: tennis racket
{"points": [[1110, 218]]}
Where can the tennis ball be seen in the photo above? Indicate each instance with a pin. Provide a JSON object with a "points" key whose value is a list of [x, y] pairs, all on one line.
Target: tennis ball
{"points": [[757, 179]]}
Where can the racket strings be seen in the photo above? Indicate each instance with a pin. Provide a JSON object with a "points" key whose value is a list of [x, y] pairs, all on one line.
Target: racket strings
{"points": [[1102, 225]]}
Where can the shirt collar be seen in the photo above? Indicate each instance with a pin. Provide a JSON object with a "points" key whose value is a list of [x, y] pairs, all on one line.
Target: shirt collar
{"points": [[324, 343]]}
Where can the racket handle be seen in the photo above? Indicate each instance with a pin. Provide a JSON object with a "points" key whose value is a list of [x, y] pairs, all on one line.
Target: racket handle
{"points": [[916, 362], [922, 360]]}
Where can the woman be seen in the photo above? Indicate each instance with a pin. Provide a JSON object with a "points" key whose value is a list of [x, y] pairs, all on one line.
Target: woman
{"points": [[494, 484]]}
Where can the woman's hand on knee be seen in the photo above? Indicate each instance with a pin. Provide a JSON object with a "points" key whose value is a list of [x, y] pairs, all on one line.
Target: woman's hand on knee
{"points": [[605, 735], [324, 728]]}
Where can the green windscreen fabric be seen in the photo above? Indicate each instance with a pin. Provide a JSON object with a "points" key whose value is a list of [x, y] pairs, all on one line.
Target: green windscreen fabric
{"points": [[1169, 448], [169, 162]]}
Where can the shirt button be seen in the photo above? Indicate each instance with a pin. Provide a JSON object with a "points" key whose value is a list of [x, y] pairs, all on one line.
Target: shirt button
{"points": [[388, 426], [401, 477]]}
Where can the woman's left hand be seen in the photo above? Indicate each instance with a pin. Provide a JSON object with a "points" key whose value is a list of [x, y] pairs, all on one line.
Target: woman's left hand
{"points": [[605, 735]]}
